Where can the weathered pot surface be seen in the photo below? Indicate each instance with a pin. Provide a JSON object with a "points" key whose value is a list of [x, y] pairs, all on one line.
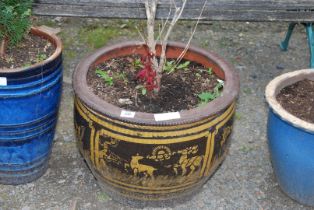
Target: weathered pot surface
{"points": [[291, 142], [151, 157]]}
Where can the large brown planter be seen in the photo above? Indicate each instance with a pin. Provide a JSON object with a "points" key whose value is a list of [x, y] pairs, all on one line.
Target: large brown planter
{"points": [[136, 158]]}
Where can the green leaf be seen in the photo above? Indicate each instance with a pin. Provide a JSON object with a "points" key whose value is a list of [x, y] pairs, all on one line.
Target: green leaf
{"points": [[169, 66], [142, 88], [206, 97], [184, 65], [41, 57], [144, 91], [105, 76], [138, 64], [15, 19], [210, 71]]}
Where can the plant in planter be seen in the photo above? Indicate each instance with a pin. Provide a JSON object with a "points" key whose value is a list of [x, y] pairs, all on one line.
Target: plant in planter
{"points": [[15, 21], [140, 149], [30, 89], [291, 133]]}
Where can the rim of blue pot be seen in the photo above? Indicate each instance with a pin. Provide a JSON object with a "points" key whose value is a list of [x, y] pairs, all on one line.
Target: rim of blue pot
{"points": [[280, 82]]}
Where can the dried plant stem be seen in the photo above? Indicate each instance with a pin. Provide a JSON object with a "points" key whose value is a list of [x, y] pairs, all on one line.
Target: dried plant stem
{"points": [[164, 24], [140, 33], [191, 37], [164, 39], [3, 46]]}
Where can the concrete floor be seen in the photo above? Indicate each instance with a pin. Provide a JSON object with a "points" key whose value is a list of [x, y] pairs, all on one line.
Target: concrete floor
{"points": [[244, 181]]}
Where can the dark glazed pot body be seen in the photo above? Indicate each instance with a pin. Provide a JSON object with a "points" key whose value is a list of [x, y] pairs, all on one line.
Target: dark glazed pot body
{"points": [[139, 158], [29, 102]]}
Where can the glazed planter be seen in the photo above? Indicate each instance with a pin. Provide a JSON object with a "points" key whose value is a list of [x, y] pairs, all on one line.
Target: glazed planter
{"points": [[291, 142], [145, 158], [29, 101]]}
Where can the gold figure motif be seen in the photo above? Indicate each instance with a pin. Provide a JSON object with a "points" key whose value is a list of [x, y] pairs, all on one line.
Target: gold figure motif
{"points": [[106, 155], [160, 153], [141, 168], [161, 171], [185, 163]]}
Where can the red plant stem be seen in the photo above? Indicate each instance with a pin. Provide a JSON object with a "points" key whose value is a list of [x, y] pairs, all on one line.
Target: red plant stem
{"points": [[3, 47]]}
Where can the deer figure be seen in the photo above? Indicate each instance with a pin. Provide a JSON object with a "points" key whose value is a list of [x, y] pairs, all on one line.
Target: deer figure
{"points": [[138, 167]]}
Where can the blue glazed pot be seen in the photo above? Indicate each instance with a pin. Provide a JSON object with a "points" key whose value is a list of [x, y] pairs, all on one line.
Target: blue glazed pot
{"points": [[291, 142], [29, 101]]}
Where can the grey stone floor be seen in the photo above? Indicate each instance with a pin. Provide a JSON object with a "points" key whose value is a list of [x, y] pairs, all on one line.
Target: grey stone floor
{"points": [[244, 181]]}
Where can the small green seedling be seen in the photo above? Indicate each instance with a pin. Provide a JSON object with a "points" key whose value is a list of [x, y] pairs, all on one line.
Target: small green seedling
{"points": [[27, 65], [184, 66], [206, 97], [105, 76], [121, 76], [171, 66], [210, 71], [142, 89], [137, 63], [40, 57]]}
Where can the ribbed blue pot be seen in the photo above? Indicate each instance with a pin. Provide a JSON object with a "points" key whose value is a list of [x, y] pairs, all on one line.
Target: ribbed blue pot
{"points": [[291, 143], [29, 105]]}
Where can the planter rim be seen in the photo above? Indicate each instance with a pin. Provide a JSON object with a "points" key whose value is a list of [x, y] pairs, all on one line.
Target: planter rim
{"points": [[52, 38], [82, 90], [278, 83]]}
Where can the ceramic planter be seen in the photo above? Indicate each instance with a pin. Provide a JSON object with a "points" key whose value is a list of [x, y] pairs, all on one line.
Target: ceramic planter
{"points": [[291, 142], [29, 101], [149, 157]]}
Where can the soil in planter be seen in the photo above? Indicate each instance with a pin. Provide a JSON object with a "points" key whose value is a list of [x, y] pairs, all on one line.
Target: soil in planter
{"points": [[179, 89], [32, 49], [298, 99]]}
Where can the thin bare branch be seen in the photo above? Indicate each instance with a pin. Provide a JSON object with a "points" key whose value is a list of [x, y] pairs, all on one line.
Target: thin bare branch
{"points": [[176, 17], [192, 35], [151, 7], [141, 35], [164, 24]]}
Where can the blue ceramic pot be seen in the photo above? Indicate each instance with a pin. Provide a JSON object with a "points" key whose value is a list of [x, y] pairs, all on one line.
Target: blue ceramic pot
{"points": [[29, 101], [291, 142]]}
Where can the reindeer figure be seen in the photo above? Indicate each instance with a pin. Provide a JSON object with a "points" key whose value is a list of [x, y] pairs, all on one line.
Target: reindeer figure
{"points": [[188, 163], [138, 167]]}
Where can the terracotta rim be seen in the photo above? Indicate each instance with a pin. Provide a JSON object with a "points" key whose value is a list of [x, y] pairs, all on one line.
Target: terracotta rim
{"points": [[278, 83], [82, 90], [52, 38]]}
